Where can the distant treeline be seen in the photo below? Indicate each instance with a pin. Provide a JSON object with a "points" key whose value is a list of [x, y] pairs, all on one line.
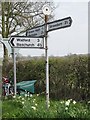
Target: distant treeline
{"points": [[69, 76]]}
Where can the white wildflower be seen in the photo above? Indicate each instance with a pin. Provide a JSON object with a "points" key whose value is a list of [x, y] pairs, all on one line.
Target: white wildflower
{"points": [[67, 103], [30, 95], [34, 108], [62, 102], [22, 98], [34, 100], [36, 104], [37, 94], [22, 102], [49, 105], [74, 102], [25, 95], [69, 100], [66, 108], [19, 97], [14, 96]]}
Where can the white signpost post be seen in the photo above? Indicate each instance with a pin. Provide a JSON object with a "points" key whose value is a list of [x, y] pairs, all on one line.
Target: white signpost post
{"points": [[46, 12]]}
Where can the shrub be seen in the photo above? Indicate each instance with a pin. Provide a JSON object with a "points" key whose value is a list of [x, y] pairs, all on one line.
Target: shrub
{"points": [[69, 76]]}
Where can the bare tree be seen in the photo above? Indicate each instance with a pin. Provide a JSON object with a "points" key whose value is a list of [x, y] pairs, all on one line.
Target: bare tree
{"points": [[17, 17]]}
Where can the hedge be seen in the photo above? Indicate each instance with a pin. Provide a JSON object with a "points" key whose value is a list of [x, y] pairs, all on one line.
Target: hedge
{"points": [[69, 75]]}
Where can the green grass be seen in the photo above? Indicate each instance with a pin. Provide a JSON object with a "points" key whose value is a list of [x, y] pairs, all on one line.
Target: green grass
{"points": [[35, 107], [0, 109]]}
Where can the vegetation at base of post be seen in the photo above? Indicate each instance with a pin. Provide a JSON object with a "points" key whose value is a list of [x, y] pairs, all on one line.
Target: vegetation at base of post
{"points": [[35, 107]]}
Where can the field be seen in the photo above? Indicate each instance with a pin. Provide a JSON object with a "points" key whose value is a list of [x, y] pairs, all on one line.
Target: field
{"points": [[34, 106]]}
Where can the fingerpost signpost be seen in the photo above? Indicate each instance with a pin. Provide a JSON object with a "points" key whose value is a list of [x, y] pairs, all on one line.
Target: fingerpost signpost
{"points": [[43, 31], [46, 11], [35, 39]]}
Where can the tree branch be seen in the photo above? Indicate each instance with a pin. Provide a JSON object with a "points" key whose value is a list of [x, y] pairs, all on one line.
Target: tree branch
{"points": [[13, 30], [21, 32]]}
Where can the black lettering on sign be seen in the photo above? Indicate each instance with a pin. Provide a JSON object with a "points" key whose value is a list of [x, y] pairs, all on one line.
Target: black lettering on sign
{"points": [[32, 31], [18, 39], [51, 26], [66, 22], [39, 45], [60, 24], [38, 40], [37, 29]]}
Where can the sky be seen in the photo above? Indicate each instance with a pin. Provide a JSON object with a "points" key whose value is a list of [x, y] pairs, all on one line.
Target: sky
{"points": [[70, 40], [75, 38]]}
